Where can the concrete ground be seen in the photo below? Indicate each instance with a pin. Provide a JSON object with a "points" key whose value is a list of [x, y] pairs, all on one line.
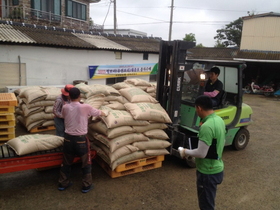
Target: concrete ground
{"points": [[251, 178]]}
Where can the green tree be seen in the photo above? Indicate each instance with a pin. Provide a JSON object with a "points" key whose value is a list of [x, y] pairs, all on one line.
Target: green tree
{"points": [[190, 37], [199, 45], [219, 44], [230, 35]]}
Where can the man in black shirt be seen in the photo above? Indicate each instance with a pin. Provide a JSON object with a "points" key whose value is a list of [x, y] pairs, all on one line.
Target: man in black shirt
{"points": [[214, 87]]}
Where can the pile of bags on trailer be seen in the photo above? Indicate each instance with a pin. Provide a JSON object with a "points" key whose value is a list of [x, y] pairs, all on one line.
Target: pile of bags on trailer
{"points": [[133, 127]]}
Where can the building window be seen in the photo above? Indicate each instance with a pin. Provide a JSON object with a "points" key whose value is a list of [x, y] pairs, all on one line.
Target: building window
{"points": [[47, 9], [145, 56], [76, 10], [118, 55], [15, 2], [111, 81]]}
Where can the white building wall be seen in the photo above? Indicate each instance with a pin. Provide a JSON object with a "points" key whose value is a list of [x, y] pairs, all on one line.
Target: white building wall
{"points": [[56, 66]]}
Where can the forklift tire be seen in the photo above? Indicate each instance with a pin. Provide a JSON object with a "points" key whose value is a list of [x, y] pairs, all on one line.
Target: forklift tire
{"points": [[190, 161], [241, 139]]}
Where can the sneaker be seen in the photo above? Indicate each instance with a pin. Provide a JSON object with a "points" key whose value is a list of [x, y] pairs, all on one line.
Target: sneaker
{"points": [[181, 151], [87, 189], [61, 188]]}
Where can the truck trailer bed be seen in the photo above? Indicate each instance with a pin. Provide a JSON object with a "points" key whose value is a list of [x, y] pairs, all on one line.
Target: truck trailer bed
{"points": [[11, 162]]}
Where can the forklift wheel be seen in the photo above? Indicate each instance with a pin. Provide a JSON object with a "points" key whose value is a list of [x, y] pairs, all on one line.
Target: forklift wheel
{"points": [[190, 161], [241, 139]]}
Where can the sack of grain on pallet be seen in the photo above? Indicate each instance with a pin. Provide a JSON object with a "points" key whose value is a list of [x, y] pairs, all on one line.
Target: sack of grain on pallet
{"points": [[35, 103], [27, 144], [148, 87]]}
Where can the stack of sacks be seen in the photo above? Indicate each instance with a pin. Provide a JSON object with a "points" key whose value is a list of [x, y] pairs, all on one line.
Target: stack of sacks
{"points": [[127, 135], [36, 106], [139, 83]]}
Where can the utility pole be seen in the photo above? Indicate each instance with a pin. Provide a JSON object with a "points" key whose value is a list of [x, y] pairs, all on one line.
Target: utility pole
{"points": [[171, 20], [115, 17]]}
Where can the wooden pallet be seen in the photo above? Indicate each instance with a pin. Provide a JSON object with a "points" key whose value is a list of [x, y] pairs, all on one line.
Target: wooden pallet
{"points": [[4, 124], [7, 117], [7, 137], [42, 128], [8, 99], [7, 109], [7, 130], [115, 174]]}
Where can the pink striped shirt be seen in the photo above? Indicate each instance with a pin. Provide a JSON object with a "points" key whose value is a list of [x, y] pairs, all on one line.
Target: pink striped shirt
{"points": [[76, 117]]}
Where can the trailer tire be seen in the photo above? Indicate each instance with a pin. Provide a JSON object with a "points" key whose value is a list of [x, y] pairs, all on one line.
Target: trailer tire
{"points": [[241, 139]]}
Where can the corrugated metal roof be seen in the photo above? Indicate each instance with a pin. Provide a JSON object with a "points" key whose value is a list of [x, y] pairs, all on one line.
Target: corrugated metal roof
{"points": [[259, 55], [100, 42], [212, 53], [51, 36], [9, 34]]}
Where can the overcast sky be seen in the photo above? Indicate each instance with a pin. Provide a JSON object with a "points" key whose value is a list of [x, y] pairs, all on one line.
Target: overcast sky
{"points": [[200, 17]]}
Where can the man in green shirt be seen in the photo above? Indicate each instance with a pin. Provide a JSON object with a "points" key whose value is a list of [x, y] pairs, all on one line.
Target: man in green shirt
{"points": [[208, 154]]}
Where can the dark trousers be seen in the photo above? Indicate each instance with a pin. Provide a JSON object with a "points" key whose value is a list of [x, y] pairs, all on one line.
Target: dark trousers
{"points": [[59, 126], [76, 146], [206, 189]]}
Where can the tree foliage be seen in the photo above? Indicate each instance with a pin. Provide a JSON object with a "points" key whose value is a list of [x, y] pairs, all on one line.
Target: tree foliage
{"points": [[199, 45], [230, 35], [190, 37]]}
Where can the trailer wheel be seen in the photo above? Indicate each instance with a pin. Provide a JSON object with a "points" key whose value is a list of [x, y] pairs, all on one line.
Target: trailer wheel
{"points": [[241, 139], [190, 161]]}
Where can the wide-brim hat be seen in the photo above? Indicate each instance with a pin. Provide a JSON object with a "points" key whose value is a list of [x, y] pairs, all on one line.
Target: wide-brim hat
{"points": [[66, 89]]}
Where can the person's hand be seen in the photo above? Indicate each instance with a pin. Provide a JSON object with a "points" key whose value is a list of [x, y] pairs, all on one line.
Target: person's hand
{"points": [[182, 153]]}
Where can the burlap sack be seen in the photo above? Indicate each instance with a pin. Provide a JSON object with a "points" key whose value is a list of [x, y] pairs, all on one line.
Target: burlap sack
{"points": [[116, 143], [52, 93], [151, 126], [137, 82], [116, 105], [48, 109], [29, 111], [95, 101], [136, 95], [117, 118], [26, 144], [156, 134], [48, 123], [152, 144], [127, 158], [100, 127], [38, 103], [148, 111], [151, 89], [20, 91], [34, 95], [121, 85], [38, 116], [156, 152], [101, 154]]}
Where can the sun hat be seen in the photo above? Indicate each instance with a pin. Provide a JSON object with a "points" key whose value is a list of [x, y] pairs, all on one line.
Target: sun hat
{"points": [[66, 89]]}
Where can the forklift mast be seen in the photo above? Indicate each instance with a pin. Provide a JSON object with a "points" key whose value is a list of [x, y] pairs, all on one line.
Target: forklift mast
{"points": [[172, 63]]}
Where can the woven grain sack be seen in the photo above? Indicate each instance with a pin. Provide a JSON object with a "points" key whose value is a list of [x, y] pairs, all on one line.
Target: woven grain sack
{"points": [[38, 103], [39, 116], [127, 158], [34, 95], [27, 144], [48, 109], [52, 93], [152, 144], [29, 111], [136, 95], [96, 101], [116, 105], [34, 124], [48, 123], [137, 82], [156, 152], [156, 134], [151, 126], [100, 127], [121, 85], [20, 91], [117, 118], [101, 154], [97, 89], [148, 111], [151, 89], [84, 88], [116, 143]]}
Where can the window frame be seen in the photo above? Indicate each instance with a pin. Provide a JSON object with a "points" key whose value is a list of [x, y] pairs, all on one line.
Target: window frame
{"points": [[76, 10]]}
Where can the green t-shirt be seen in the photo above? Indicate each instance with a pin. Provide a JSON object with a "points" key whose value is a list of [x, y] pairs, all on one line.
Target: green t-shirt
{"points": [[212, 127]]}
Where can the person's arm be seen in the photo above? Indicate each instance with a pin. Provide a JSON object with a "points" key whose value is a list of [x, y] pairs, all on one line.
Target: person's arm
{"points": [[212, 94], [57, 107], [199, 152]]}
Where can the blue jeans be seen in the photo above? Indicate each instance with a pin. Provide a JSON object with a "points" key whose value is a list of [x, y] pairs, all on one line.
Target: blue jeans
{"points": [[206, 189], [59, 126]]}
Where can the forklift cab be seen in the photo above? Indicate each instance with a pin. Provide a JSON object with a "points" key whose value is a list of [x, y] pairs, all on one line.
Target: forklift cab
{"points": [[181, 80]]}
